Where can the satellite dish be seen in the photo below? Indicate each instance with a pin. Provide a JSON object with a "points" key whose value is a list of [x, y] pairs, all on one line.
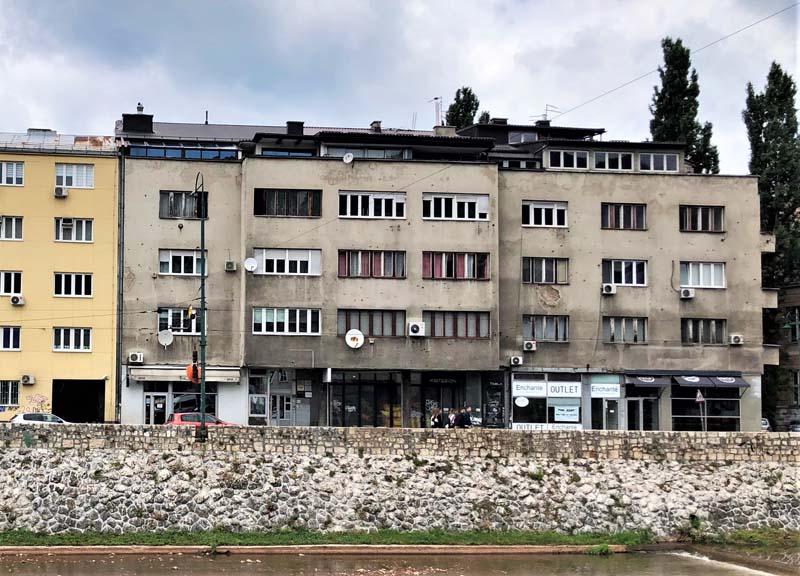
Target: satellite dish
{"points": [[354, 338], [250, 264], [348, 158], [165, 338]]}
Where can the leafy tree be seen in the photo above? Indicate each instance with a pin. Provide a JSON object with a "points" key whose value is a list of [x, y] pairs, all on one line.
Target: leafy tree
{"points": [[675, 107], [462, 111], [484, 117]]}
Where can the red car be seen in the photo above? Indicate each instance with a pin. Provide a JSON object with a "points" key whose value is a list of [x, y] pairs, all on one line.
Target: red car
{"points": [[193, 419]]}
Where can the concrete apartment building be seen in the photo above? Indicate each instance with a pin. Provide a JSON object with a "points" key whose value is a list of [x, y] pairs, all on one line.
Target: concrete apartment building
{"points": [[548, 278], [58, 275], [787, 402]]}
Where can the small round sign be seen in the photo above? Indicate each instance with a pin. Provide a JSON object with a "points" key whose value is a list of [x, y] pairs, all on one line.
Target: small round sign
{"points": [[521, 401], [354, 338]]}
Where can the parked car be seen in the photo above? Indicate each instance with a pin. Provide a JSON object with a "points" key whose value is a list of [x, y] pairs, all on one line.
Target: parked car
{"points": [[765, 425], [193, 419], [794, 426], [37, 418]]}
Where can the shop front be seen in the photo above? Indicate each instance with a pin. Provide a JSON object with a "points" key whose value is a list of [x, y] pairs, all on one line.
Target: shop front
{"points": [[707, 403], [283, 397], [546, 401]]}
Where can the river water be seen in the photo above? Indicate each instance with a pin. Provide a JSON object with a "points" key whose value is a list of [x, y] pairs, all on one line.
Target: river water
{"points": [[635, 564]]}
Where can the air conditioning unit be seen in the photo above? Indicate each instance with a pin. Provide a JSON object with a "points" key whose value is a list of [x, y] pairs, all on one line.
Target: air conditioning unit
{"points": [[609, 289], [529, 346], [27, 380], [230, 266], [60, 192], [416, 329], [136, 358], [516, 361], [736, 339], [687, 293], [18, 300]]}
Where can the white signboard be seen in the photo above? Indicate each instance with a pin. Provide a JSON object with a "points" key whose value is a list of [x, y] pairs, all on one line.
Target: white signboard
{"points": [[605, 390], [529, 388], [564, 389], [539, 426], [567, 413]]}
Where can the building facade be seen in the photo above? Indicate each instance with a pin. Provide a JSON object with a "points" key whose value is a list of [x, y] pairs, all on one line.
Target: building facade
{"points": [[58, 275], [787, 401]]}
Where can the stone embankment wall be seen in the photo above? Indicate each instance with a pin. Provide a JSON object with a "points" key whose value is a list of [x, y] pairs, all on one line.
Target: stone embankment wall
{"points": [[126, 478]]}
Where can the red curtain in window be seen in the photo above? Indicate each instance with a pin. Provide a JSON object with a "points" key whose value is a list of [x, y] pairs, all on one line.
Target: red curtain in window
{"points": [[426, 265], [460, 266], [365, 263], [377, 269], [342, 264], [437, 265]]}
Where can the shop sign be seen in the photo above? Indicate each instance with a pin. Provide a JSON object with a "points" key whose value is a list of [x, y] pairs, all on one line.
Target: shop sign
{"points": [[529, 388], [567, 413], [564, 389], [605, 390], [539, 426]]}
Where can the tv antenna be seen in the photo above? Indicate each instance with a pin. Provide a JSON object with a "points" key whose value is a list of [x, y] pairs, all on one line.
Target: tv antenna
{"points": [[547, 109]]}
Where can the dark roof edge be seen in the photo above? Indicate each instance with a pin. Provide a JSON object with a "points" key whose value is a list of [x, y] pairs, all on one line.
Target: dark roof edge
{"points": [[611, 144]]}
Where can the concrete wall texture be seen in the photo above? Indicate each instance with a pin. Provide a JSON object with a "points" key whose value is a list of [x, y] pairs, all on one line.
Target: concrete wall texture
{"points": [[125, 478]]}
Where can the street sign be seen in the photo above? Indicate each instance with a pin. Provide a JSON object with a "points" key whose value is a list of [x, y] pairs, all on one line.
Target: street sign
{"points": [[699, 398]]}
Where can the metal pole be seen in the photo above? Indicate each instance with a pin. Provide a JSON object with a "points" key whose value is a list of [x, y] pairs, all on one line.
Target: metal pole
{"points": [[202, 433]]}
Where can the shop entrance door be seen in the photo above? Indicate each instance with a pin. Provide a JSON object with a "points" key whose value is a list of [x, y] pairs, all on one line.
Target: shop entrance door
{"points": [[610, 414], [281, 409], [642, 413], [155, 408]]}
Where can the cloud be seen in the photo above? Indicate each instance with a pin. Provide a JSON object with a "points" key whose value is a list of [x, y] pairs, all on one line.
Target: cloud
{"points": [[76, 66]]}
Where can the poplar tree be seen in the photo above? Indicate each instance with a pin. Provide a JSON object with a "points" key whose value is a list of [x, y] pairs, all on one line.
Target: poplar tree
{"points": [[484, 117], [462, 111]]}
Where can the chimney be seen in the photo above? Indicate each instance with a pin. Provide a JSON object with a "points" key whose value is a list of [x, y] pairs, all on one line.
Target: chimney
{"points": [[139, 108], [499, 121], [543, 123], [375, 125], [139, 122], [444, 131], [294, 128]]}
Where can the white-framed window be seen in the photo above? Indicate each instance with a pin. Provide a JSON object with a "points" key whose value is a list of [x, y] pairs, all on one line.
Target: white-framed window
{"points": [[356, 204], [288, 261], [545, 270], [703, 330], [9, 392], [625, 272], [437, 206], [521, 164], [624, 330], [623, 216], [12, 173], [613, 160], [569, 159], [462, 325], [74, 229], [372, 264], [180, 262], [11, 228], [522, 137], [10, 283], [179, 321], [368, 153], [702, 218], [287, 321], [75, 285], [75, 175], [545, 327], [652, 162], [72, 339], [544, 214], [372, 323], [9, 338], [455, 265], [702, 275]]}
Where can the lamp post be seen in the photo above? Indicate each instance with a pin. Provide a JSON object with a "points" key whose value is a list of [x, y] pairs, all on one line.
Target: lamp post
{"points": [[199, 193]]}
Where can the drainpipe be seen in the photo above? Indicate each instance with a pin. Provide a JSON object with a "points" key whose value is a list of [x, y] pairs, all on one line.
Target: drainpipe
{"points": [[120, 269]]}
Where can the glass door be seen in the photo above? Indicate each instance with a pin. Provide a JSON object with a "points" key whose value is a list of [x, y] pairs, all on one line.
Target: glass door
{"points": [[642, 414], [610, 414], [281, 409], [155, 408]]}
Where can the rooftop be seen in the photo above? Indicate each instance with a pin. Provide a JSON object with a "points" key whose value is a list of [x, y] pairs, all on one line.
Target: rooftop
{"points": [[45, 140]]}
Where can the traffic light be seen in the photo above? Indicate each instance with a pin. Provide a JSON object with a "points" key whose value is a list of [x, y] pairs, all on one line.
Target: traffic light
{"points": [[195, 376]]}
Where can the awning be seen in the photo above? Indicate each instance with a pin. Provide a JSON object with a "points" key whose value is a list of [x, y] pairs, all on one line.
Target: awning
{"points": [[650, 381], [179, 375], [702, 381], [729, 382]]}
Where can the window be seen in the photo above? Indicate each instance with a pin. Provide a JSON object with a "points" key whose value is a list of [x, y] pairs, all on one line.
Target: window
{"points": [[702, 275], [178, 320], [372, 264], [545, 270], [625, 272], [75, 175], [373, 323], [456, 324], [10, 227], [368, 153], [175, 152], [623, 216], [287, 153], [793, 319], [613, 161], [544, 214], [702, 218], [11, 173], [703, 331], [179, 262], [288, 261], [286, 321], [455, 265], [522, 137], [76, 285], [455, 207], [72, 339], [545, 328], [624, 330], [186, 205], [795, 387], [658, 162], [74, 229], [372, 204], [9, 392], [10, 283], [720, 412], [295, 203], [569, 159], [9, 338]]}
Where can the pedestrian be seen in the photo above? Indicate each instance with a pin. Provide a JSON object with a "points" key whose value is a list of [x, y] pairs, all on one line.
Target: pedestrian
{"points": [[460, 419], [468, 417], [437, 420], [452, 417]]}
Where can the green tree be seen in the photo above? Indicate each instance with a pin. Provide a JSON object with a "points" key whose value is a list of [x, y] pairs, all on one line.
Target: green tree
{"points": [[462, 111], [484, 117], [675, 107]]}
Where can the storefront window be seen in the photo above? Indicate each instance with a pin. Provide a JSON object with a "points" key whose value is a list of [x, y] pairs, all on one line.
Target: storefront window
{"points": [[186, 397], [546, 402], [365, 399], [719, 413]]}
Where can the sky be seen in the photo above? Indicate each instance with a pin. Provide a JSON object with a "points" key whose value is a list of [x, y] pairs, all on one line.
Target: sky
{"points": [[76, 65]]}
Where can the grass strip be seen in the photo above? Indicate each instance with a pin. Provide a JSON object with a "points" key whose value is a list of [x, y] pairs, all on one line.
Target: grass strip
{"points": [[758, 539]]}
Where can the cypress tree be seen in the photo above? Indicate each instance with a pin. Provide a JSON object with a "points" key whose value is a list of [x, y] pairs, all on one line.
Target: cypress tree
{"points": [[462, 111]]}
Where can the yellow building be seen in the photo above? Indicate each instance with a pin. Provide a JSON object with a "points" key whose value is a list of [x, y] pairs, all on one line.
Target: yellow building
{"points": [[58, 275]]}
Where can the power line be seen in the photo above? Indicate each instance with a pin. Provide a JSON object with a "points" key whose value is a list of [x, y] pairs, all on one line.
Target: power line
{"points": [[646, 74]]}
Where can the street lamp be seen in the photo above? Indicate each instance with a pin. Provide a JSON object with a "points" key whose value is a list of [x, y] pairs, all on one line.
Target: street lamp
{"points": [[200, 194]]}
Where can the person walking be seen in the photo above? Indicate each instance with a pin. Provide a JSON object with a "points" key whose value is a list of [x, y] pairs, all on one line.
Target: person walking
{"points": [[468, 417], [452, 418], [460, 418], [437, 420]]}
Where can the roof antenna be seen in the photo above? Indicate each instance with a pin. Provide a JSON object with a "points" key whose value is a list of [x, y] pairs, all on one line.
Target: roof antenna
{"points": [[414, 121], [206, 116], [437, 100]]}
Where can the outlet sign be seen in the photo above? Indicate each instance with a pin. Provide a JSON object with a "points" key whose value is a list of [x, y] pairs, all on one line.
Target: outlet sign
{"points": [[564, 389], [542, 426]]}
